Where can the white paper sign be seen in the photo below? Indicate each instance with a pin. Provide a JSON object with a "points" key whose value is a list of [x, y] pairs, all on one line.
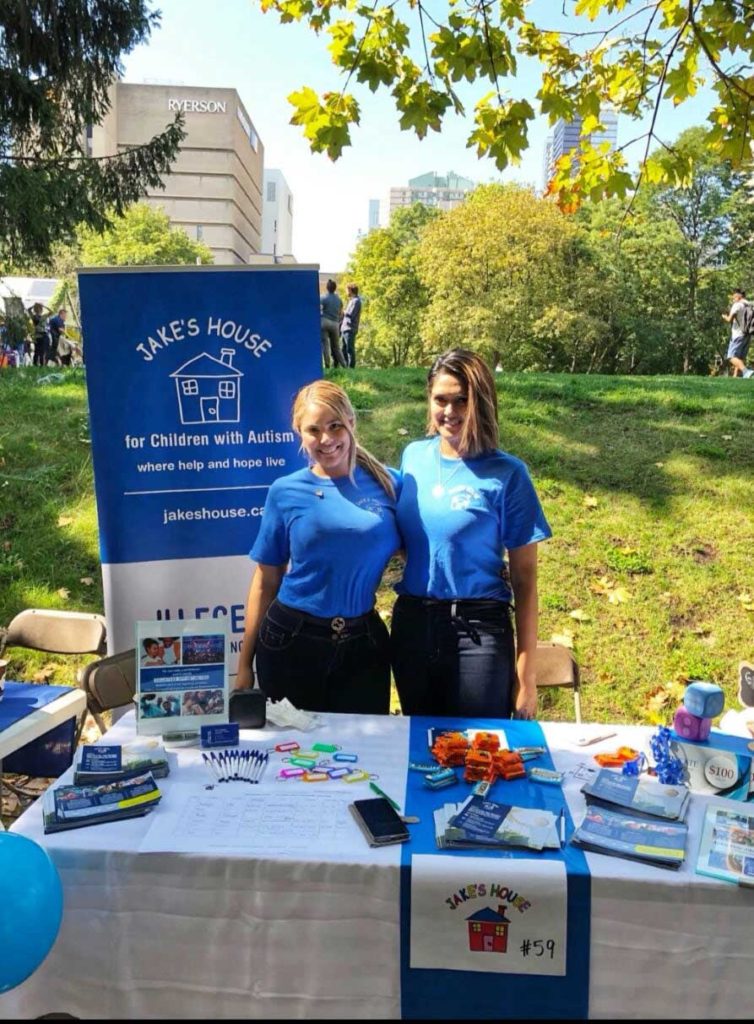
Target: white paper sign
{"points": [[477, 914]]}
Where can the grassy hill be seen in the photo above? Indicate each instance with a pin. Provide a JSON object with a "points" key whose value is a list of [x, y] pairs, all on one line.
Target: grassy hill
{"points": [[648, 484]]}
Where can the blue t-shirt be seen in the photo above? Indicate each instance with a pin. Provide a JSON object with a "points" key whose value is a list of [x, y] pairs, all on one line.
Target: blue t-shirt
{"points": [[337, 537], [458, 516]]}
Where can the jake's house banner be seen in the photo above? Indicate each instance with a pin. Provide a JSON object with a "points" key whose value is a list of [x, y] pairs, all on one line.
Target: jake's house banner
{"points": [[191, 373]]}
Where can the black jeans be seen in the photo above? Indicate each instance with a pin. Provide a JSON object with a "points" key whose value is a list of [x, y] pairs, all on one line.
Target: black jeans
{"points": [[324, 664], [453, 657]]}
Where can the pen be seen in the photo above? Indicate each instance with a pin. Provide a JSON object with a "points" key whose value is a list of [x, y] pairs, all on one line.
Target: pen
{"points": [[376, 789], [562, 827]]}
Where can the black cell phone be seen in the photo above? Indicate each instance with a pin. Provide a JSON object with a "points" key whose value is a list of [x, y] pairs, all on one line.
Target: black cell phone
{"points": [[379, 821]]}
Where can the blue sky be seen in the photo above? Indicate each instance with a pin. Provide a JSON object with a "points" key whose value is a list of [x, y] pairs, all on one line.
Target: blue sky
{"points": [[229, 43]]}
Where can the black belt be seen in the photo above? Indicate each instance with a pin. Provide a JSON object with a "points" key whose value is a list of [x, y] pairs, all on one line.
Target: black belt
{"points": [[462, 604], [460, 609], [337, 628]]}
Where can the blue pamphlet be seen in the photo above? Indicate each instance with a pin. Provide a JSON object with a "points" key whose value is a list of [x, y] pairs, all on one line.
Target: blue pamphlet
{"points": [[625, 835], [101, 759], [641, 797]]}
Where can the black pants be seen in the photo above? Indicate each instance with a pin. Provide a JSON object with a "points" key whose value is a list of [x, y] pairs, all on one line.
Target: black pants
{"points": [[41, 347], [324, 664], [453, 657]]}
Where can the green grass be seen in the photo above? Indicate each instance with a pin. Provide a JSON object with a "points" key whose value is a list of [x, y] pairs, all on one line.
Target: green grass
{"points": [[648, 484]]}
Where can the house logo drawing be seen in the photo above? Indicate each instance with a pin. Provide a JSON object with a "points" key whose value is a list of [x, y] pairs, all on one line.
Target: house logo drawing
{"points": [[209, 389], [488, 930]]}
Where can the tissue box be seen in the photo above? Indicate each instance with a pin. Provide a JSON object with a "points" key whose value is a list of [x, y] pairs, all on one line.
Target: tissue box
{"points": [[705, 700]]}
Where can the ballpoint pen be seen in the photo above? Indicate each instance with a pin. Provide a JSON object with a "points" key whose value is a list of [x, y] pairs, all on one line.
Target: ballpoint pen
{"points": [[376, 789], [562, 828]]}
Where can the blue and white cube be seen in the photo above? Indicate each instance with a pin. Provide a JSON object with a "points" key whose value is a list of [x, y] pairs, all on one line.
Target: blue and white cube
{"points": [[705, 700]]}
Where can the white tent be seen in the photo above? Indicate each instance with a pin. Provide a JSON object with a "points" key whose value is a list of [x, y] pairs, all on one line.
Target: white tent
{"points": [[28, 289]]}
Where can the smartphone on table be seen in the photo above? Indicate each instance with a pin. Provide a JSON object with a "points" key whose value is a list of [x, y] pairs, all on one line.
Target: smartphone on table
{"points": [[379, 821]]}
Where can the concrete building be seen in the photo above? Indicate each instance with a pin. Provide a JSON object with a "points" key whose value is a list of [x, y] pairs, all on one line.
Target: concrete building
{"points": [[214, 190], [277, 215], [440, 191], [374, 215], [566, 136]]}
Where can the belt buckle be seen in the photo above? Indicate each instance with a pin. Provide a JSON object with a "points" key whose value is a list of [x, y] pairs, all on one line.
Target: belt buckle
{"points": [[338, 627]]}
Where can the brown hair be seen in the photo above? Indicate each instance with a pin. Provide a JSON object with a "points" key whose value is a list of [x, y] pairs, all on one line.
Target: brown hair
{"points": [[480, 427], [334, 398]]}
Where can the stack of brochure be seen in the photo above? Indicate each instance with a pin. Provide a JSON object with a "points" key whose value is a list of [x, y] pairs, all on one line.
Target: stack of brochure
{"points": [[113, 763], [67, 807], [640, 797], [628, 816], [479, 823], [618, 834]]}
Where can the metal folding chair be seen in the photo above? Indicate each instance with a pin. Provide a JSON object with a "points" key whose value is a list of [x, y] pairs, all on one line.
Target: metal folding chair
{"points": [[109, 683], [556, 666], [57, 632]]}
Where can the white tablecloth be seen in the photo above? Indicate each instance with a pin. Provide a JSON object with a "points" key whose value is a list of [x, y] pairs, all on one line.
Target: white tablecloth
{"points": [[157, 935]]}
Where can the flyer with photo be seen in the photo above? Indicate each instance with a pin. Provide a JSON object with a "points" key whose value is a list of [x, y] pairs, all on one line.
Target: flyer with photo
{"points": [[181, 675], [726, 849]]}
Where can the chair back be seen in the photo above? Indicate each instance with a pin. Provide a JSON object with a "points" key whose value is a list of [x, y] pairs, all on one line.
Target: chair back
{"points": [[109, 682], [58, 632], [556, 666]]}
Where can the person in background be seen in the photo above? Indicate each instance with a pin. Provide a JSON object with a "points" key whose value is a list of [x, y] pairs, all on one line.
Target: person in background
{"points": [[349, 325], [331, 308], [738, 349], [464, 505], [326, 535], [41, 335], [56, 325]]}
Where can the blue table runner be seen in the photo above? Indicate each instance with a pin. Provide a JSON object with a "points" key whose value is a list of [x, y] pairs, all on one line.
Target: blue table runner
{"points": [[21, 699], [457, 995]]}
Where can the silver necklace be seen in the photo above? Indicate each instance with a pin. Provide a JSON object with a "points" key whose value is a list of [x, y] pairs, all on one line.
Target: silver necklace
{"points": [[438, 491]]}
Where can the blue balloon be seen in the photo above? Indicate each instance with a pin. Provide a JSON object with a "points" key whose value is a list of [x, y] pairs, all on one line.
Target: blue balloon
{"points": [[31, 908]]}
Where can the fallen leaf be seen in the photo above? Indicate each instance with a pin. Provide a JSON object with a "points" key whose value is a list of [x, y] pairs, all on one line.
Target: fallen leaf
{"points": [[65, 520], [402, 431], [64, 592], [618, 596], [602, 586], [580, 615], [658, 702], [727, 437], [6, 545], [44, 673], [590, 502], [659, 464], [86, 580], [565, 639], [745, 598]]}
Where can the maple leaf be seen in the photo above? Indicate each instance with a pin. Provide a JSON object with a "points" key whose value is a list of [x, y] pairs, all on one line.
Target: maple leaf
{"points": [[64, 592], [86, 580], [618, 596], [580, 615], [65, 520], [590, 502]]}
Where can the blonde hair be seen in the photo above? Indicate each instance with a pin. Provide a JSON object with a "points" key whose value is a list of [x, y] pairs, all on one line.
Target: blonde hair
{"points": [[336, 401], [480, 432]]}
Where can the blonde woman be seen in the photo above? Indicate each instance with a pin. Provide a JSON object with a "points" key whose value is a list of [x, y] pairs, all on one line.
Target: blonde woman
{"points": [[471, 522], [325, 538]]}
